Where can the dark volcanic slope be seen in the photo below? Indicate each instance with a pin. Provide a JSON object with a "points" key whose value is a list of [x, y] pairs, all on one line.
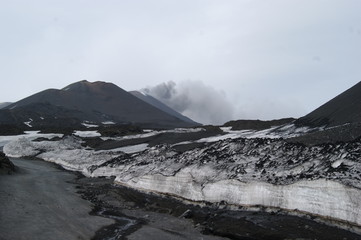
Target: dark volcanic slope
{"points": [[256, 124], [85, 101], [345, 108], [4, 104], [158, 104]]}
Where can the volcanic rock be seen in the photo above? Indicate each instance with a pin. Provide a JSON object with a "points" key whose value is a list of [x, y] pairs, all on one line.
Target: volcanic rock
{"points": [[6, 166]]}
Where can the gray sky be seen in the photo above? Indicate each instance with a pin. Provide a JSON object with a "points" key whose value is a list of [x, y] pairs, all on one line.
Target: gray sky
{"points": [[264, 58]]}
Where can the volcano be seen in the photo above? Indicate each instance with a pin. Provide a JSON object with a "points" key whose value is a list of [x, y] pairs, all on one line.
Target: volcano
{"points": [[94, 102]]}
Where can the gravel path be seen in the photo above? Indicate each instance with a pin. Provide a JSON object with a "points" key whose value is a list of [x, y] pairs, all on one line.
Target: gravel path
{"points": [[38, 202]]}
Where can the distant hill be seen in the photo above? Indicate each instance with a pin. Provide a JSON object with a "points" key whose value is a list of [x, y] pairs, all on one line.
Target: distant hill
{"points": [[96, 102], [343, 109], [158, 104], [4, 104], [256, 124]]}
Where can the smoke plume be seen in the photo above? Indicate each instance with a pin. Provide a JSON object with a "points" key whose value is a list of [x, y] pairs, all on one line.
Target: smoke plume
{"points": [[195, 100]]}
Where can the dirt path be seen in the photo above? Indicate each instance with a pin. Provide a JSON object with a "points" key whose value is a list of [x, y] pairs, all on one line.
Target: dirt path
{"points": [[39, 203]]}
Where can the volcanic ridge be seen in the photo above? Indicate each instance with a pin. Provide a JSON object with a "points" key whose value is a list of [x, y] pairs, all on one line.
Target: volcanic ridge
{"points": [[97, 103]]}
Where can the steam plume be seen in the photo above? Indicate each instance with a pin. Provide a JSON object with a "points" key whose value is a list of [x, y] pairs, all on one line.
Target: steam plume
{"points": [[195, 100]]}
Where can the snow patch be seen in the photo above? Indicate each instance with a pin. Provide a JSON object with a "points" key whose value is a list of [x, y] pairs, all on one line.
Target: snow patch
{"points": [[129, 149], [108, 123], [151, 133], [28, 135], [89, 125], [67, 152], [29, 122], [86, 134], [143, 93]]}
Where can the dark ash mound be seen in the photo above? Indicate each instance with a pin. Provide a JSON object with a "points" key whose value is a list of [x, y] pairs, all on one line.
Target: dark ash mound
{"points": [[10, 129], [256, 124], [162, 138], [343, 133], [6, 166], [343, 109]]}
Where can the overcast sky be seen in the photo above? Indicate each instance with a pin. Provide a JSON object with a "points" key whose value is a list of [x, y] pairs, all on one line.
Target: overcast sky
{"points": [[262, 58]]}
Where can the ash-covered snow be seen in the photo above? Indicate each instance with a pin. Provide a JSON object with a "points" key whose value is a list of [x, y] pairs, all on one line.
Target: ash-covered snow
{"points": [[28, 135], [128, 149], [323, 179], [285, 131], [150, 133], [66, 152], [269, 160], [89, 125]]}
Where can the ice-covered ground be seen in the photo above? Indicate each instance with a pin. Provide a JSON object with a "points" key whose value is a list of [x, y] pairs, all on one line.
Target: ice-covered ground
{"points": [[66, 152], [323, 180], [150, 133], [28, 135], [285, 131], [320, 197], [86, 134]]}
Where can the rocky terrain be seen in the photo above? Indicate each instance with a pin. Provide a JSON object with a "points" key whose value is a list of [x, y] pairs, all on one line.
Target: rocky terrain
{"points": [[257, 124], [6, 166]]}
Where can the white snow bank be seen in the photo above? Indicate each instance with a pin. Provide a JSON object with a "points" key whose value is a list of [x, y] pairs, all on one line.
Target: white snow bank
{"points": [[67, 152], [28, 135], [86, 134], [320, 197]]}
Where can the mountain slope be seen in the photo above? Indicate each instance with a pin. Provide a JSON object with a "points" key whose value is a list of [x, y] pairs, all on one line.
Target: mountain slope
{"points": [[343, 109], [4, 104], [85, 101], [256, 124], [158, 104]]}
